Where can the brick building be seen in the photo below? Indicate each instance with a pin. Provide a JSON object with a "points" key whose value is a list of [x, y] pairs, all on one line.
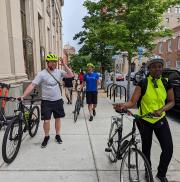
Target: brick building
{"points": [[169, 49]]}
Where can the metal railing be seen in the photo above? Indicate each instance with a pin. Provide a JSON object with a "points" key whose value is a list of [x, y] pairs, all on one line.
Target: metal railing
{"points": [[114, 89]]}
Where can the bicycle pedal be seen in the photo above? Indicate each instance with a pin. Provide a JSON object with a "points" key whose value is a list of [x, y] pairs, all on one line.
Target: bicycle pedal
{"points": [[108, 150], [119, 157]]}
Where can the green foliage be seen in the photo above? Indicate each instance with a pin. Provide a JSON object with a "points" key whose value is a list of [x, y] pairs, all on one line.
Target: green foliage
{"points": [[125, 24], [78, 62]]}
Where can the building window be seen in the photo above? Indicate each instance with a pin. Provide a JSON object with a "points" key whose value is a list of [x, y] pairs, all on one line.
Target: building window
{"points": [[169, 10], [169, 45], [168, 64], [178, 20], [178, 63], [160, 47], [177, 9], [179, 42], [167, 20]]}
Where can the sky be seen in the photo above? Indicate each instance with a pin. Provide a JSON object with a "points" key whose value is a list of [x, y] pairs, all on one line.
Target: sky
{"points": [[72, 13]]}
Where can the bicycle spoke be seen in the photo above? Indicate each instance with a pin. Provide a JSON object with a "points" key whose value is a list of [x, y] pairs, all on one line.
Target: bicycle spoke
{"points": [[134, 168]]}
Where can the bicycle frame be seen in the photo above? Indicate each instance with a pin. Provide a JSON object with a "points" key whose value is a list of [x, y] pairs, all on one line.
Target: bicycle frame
{"points": [[131, 142]]}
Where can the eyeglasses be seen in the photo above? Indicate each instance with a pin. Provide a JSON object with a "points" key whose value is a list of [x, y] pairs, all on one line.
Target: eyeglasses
{"points": [[154, 81]]}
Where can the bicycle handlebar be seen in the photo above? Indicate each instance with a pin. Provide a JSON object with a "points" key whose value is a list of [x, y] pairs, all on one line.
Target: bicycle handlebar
{"points": [[19, 99], [136, 116], [7, 98]]}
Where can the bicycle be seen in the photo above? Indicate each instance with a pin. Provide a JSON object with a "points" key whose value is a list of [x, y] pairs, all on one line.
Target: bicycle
{"points": [[134, 165], [79, 103], [26, 118], [4, 91]]}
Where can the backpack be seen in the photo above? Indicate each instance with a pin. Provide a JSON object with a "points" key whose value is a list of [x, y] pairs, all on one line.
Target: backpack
{"points": [[144, 87]]}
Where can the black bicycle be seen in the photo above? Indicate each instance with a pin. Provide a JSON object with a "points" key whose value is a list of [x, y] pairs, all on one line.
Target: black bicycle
{"points": [[134, 165], [26, 118], [79, 103]]}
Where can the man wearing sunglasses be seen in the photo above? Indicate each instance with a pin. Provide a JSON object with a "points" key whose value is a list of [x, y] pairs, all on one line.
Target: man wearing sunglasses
{"points": [[157, 99]]}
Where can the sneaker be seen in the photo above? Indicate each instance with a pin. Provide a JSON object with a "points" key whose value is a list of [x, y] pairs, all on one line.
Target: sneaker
{"points": [[58, 139], [161, 179], [91, 118], [45, 142], [94, 112]]}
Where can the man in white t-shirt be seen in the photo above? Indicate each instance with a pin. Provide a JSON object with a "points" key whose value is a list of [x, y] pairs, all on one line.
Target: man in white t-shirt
{"points": [[52, 102]]}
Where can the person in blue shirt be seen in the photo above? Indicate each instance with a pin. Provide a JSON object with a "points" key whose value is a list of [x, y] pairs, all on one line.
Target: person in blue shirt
{"points": [[91, 80]]}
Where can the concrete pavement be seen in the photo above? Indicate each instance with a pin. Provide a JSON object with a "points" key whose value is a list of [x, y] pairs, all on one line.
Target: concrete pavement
{"points": [[81, 156]]}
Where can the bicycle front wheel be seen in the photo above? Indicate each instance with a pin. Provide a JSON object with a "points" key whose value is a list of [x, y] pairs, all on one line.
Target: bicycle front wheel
{"points": [[113, 142], [12, 140], [135, 167], [34, 119], [77, 110]]}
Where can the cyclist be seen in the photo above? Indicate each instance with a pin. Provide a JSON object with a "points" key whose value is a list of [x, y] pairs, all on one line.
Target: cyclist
{"points": [[91, 80], [51, 98], [81, 76], [157, 99], [68, 85]]}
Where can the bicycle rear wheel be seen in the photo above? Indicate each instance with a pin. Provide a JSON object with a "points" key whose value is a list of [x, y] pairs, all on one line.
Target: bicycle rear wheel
{"points": [[77, 110], [135, 167], [12, 140], [113, 142], [34, 119]]}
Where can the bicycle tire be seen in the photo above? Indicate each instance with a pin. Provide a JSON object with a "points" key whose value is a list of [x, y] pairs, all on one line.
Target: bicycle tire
{"points": [[113, 142], [33, 122], [135, 167], [83, 96], [16, 139], [76, 110]]}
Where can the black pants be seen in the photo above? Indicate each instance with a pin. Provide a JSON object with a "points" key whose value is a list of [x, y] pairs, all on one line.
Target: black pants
{"points": [[163, 134]]}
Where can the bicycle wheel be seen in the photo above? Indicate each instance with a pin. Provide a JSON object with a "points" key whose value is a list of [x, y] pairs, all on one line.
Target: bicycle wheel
{"points": [[12, 140], [135, 167], [113, 142], [83, 96], [77, 110], [33, 122]]}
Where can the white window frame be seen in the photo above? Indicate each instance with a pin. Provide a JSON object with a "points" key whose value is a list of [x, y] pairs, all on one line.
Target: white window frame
{"points": [[169, 10], [169, 45], [177, 9], [178, 64], [178, 43], [160, 47]]}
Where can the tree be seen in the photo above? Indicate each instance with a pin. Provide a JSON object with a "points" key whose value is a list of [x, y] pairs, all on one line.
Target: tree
{"points": [[79, 62], [125, 24]]}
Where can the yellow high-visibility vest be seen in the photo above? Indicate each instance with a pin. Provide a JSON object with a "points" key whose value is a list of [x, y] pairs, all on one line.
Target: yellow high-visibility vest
{"points": [[153, 99]]}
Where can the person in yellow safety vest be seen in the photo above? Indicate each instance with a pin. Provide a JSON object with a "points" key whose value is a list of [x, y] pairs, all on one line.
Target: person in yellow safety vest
{"points": [[157, 99]]}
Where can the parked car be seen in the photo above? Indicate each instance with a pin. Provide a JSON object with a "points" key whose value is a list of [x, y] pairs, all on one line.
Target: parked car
{"points": [[119, 77], [174, 78]]}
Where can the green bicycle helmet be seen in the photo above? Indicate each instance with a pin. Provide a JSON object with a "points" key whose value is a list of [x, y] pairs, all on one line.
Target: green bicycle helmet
{"points": [[51, 57], [91, 65]]}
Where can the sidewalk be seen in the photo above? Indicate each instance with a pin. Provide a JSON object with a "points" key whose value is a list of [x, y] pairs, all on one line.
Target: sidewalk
{"points": [[81, 156]]}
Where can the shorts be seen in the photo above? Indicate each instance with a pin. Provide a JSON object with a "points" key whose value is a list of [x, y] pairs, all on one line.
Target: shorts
{"points": [[91, 97], [49, 107], [68, 91]]}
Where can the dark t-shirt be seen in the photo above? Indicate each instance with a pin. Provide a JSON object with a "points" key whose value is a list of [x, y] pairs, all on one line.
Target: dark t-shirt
{"points": [[68, 82]]}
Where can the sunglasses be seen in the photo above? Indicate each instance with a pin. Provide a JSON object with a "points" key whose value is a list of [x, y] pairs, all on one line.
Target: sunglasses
{"points": [[154, 81]]}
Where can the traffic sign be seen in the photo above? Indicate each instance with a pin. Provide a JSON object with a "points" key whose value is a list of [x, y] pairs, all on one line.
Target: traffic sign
{"points": [[114, 57], [109, 47]]}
